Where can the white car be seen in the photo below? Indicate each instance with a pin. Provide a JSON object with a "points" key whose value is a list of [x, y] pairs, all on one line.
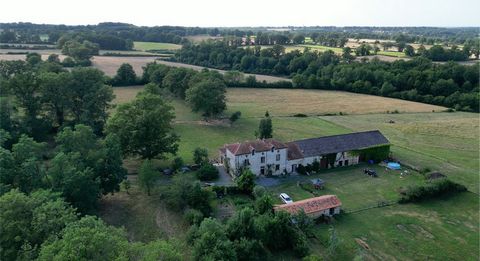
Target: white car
{"points": [[286, 198]]}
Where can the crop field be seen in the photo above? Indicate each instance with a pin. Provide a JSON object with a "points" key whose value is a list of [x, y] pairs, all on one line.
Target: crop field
{"points": [[145, 46]]}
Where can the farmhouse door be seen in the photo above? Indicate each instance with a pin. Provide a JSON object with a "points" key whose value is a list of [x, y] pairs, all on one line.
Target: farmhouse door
{"points": [[324, 163]]}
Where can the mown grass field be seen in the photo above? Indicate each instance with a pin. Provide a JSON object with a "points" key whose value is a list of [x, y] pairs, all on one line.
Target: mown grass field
{"points": [[438, 229], [287, 102], [145, 46]]}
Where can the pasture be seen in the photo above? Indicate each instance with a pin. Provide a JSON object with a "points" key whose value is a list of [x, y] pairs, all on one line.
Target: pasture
{"points": [[145, 46]]}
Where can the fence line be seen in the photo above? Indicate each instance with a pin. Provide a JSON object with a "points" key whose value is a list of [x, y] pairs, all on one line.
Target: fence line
{"points": [[380, 204]]}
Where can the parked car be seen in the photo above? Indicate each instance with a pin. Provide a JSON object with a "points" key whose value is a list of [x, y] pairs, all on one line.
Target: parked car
{"points": [[286, 198]]}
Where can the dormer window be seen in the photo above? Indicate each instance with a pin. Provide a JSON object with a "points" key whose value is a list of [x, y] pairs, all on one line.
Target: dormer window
{"points": [[273, 148], [253, 152]]}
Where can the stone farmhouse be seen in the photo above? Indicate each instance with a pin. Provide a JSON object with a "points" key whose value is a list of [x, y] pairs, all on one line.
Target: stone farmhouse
{"points": [[272, 157]]}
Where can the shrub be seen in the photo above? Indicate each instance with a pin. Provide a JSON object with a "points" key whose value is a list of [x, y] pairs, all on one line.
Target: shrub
{"points": [[436, 188], [68, 62], [200, 156], [235, 116], [300, 115], [177, 164], [193, 216], [259, 191], [246, 181], [207, 172]]}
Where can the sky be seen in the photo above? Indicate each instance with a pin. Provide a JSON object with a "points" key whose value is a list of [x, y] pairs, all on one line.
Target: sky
{"points": [[226, 13]]}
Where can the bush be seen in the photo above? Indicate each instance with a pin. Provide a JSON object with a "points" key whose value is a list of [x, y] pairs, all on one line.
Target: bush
{"points": [[68, 62], [200, 156], [259, 191], [246, 181], [436, 188], [177, 164], [207, 172], [193, 216], [300, 115], [235, 116]]}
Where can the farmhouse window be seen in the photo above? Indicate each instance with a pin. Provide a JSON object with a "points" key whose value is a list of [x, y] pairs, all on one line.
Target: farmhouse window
{"points": [[346, 162], [253, 152], [278, 157], [262, 160], [273, 148], [246, 162], [277, 167], [262, 170], [340, 163]]}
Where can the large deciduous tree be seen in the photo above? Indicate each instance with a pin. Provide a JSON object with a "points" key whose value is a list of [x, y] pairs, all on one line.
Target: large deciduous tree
{"points": [[87, 239], [27, 221], [207, 96], [125, 75], [144, 127], [90, 97]]}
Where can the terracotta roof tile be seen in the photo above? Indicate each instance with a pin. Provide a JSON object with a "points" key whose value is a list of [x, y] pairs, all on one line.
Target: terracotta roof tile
{"points": [[311, 205], [257, 145], [294, 151]]}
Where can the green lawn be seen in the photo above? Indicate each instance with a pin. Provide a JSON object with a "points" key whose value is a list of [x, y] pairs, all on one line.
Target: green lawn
{"points": [[443, 229], [354, 188], [144, 46]]}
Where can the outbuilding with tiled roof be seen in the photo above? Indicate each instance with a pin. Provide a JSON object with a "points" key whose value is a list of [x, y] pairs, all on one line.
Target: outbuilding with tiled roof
{"points": [[326, 205]]}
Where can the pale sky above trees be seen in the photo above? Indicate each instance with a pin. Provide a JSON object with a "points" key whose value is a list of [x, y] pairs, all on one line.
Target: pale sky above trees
{"points": [[218, 13]]}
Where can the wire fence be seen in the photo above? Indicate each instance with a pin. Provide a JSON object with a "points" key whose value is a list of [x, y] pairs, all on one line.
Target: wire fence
{"points": [[379, 204]]}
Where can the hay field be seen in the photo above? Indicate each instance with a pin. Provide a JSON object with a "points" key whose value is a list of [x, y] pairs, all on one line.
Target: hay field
{"points": [[110, 64], [286, 102]]}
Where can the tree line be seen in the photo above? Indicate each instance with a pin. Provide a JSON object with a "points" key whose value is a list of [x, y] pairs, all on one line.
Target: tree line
{"points": [[419, 79]]}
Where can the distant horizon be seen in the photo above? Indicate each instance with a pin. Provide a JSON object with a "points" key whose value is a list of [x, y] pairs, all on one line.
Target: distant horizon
{"points": [[249, 13], [245, 26]]}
